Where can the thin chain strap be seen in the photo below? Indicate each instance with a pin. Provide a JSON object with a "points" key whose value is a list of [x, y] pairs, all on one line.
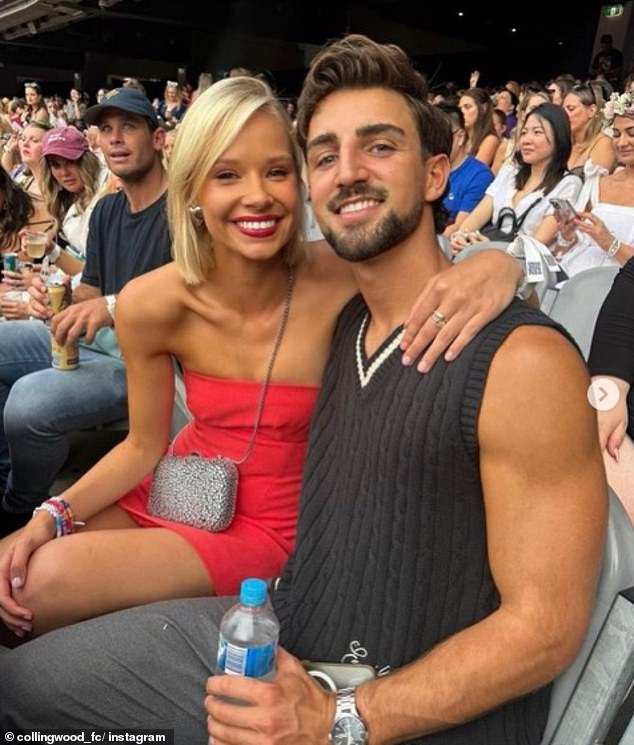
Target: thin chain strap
{"points": [[267, 374], [269, 369]]}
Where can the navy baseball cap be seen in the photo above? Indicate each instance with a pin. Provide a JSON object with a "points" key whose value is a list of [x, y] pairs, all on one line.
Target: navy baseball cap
{"points": [[125, 99]]}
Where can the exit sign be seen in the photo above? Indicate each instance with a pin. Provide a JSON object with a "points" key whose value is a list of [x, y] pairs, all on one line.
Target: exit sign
{"points": [[612, 11]]}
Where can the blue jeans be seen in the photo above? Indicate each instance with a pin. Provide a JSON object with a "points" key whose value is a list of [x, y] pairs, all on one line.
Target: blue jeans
{"points": [[41, 405]]}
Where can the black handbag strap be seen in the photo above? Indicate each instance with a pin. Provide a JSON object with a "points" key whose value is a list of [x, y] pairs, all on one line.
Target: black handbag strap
{"points": [[522, 217], [503, 214]]}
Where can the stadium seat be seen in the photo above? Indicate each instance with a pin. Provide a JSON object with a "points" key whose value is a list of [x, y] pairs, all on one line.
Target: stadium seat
{"points": [[577, 302], [586, 697]]}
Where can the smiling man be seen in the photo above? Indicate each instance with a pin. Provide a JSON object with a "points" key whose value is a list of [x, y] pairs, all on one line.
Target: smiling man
{"points": [[442, 538], [437, 535]]}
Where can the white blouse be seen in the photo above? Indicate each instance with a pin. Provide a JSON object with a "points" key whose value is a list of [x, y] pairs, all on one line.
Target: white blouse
{"points": [[503, 189], [619, 220]]}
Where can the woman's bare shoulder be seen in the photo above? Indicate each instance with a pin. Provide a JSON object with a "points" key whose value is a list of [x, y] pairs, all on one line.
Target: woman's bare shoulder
{"points": [[601, 151]]}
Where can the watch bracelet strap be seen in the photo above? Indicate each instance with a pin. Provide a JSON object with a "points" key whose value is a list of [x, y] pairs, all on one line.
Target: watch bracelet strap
{"points": [[346, 703], [347, 706]]}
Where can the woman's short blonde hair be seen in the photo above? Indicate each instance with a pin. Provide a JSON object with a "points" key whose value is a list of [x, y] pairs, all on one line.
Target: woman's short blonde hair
{"points": [[209, 127]]}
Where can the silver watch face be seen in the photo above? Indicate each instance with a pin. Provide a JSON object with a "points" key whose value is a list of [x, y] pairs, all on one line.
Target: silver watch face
{"points": [[349, 730]]}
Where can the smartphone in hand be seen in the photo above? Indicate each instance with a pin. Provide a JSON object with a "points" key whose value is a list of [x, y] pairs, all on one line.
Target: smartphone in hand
{"points": [[566, 211]]}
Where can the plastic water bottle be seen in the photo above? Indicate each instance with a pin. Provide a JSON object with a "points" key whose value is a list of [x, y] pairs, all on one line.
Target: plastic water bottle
{"points": [[248, 634]]}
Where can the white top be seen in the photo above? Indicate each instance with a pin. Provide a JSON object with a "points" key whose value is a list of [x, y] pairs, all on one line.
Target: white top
{"points": [[503, 188], [75, 227], [619, 220], [75, 223]]}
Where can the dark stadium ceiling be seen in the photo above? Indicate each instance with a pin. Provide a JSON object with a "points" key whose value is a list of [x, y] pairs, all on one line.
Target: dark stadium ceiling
{"points": [[295, 20]]}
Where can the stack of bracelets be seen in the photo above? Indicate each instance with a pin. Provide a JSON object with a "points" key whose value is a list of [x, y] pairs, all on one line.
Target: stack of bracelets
{"points": [[61, 512]]}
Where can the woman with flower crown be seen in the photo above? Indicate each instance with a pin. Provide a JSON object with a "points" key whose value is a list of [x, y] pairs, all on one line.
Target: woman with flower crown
{"points": [[603, 231]]}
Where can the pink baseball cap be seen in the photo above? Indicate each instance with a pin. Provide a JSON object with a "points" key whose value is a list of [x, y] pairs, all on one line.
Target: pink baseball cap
{"points": [[66, 142]]}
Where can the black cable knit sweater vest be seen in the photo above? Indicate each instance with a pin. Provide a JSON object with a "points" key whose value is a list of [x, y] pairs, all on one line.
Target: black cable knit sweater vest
{"points": [[391, 553]]}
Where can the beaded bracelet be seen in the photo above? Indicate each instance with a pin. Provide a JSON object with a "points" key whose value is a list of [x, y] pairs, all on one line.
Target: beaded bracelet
{"points": [[614, 247], [52, 511], [62, 514]]}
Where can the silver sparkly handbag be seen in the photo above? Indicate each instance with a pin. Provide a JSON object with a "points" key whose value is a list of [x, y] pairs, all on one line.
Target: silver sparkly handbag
{"points": [[202, 492], [196, 491]]}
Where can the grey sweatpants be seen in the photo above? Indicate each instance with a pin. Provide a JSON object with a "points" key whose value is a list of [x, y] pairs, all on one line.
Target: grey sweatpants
{"points": [[140, 668]]}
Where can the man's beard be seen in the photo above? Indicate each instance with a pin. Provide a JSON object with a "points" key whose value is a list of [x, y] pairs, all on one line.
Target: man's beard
{"points": [[363, 242]]}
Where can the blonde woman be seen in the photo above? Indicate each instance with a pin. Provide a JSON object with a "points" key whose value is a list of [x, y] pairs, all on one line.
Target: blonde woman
{"points": [[591, 147], [249, 314], [205, 79], [71, 178], [602, 233], [27, 173], [173, 107], [168, 146]]}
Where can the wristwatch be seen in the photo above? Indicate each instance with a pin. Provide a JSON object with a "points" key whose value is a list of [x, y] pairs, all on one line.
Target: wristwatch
{"points": [[348, 727]]}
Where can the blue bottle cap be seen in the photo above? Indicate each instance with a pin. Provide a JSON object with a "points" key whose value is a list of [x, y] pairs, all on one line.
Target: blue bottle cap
{"points": [[253, 592]]}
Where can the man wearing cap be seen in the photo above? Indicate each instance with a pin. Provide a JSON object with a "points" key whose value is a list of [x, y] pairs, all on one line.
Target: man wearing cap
{"points": [[128, 236]]}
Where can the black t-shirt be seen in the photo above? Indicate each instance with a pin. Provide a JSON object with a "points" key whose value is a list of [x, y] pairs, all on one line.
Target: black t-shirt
{"points": [[123, 245]]}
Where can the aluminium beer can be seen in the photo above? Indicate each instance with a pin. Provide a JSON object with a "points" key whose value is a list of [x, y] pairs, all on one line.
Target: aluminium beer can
{"points": [[63, 356], [10, 262]]}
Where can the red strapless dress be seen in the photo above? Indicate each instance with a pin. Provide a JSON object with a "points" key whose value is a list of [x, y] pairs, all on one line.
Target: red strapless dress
{"points": [[262, 534]]}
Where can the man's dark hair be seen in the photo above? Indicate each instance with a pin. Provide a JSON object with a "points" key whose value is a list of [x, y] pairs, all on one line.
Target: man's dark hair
{"points": [[16, 209], [453, 113], [357, 62], [511, 94]]}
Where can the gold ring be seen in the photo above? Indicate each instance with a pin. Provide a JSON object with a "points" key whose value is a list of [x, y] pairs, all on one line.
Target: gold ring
{"points": [[438, 317]]}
